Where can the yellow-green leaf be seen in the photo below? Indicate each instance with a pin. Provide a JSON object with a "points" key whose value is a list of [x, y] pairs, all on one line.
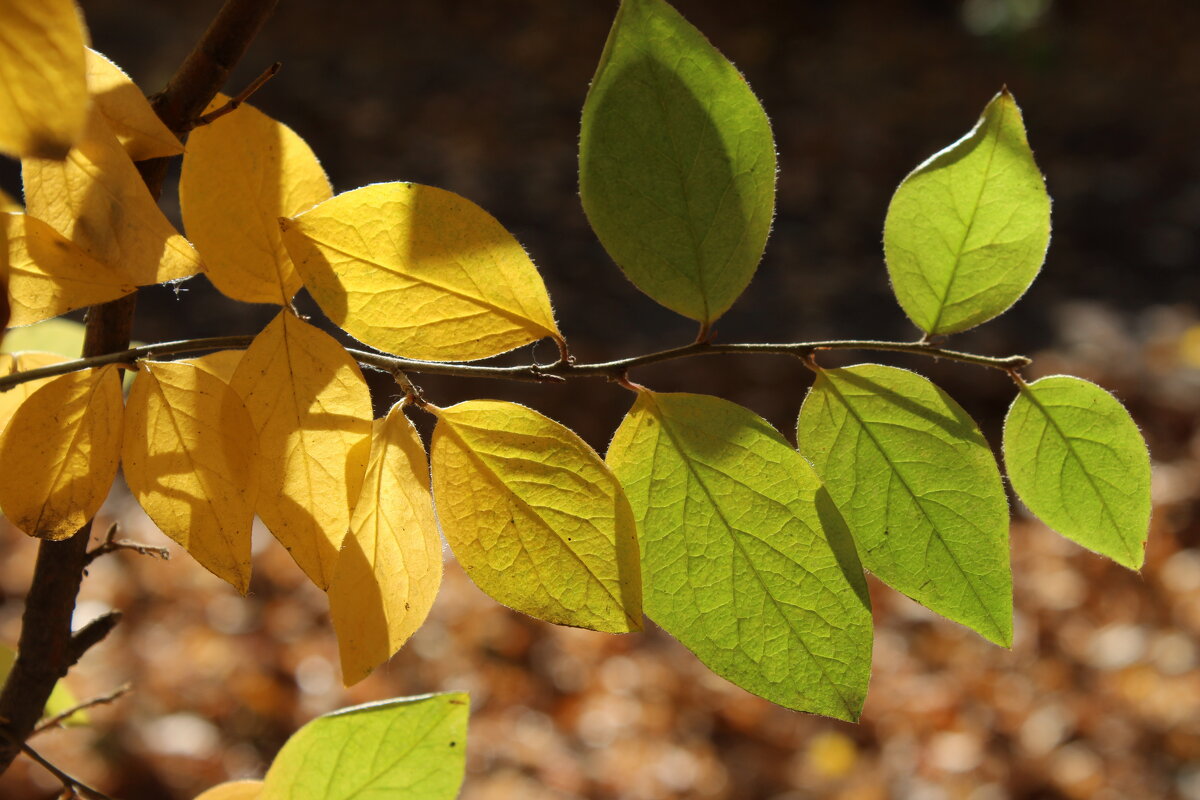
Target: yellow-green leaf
{"points": [[59, 453], [97, 199], [1077, 459], [391, 564], [43, 91], [967, 230], [189, 459], [312, 410], [240, 175], [128, 112], [233, 790], [419, 272], [60, 336], [50, 275], [535, 517]]}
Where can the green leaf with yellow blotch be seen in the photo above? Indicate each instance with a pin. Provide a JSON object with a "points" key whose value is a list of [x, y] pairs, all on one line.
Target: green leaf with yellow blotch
{"points": [[412, 748], [919, 487], [745, 558], [419, 272], [190, 458], [967, 230], [676, 163], [535, 517], [1077, 459], [390, 567]]}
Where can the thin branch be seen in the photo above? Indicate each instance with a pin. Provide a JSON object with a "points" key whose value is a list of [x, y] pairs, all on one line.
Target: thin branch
{"points": [[241, 97], [112, 544], [58, 719], [534, 373], [68, 781]]}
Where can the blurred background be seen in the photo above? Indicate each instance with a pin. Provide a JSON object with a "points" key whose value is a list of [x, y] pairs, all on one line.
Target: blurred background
{"points": [[1100, 695]]}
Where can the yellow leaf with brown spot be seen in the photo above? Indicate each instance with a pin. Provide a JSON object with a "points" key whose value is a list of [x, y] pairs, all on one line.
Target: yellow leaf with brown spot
{"points": [[241, 174], [535, 517], [233, 790], [59, 453], [97, 199], [312, 410], [22, 362], [419, 272], [128, 112], [43, 92], [189, 458], [390, 567], [49, 274]]}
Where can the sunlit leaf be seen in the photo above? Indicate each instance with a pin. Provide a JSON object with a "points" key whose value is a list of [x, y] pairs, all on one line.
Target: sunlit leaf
{"points": [[967, 230], [62, 337], [412, 748], [419, 272], [61, 698], [312, 410], [128, 112], [50, 275], [233, 790], [7, 204], [1077, 459], [390, 568], [43, 92], [919, 487], [97, 199], [189, 458], [222, 363], [745, 558], [535, 517], [59, 453], [241, 174], [21, 362], [676, 163]]}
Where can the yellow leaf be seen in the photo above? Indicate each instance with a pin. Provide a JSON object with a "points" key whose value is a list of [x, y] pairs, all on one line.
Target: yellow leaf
{"points": [[419, 272], [97, 199], [59, 453], [189, 458], [222, 363], [20, 362], [233, 790], [43, 92], [535, 517], [312, 410], [7, 204], [390, 567], [240, 175], [128, 112], [51, 275]]}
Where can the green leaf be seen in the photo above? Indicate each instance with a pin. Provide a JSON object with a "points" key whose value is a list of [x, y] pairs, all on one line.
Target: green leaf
{"points": [[676, 163], [745, 558], [412, 747], [534, 516], [1076, 458], [967, 230], [61, 697], [919, 487]]}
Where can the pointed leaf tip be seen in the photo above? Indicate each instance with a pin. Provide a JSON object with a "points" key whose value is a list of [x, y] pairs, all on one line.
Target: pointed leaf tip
{"points": [[967, 230]]}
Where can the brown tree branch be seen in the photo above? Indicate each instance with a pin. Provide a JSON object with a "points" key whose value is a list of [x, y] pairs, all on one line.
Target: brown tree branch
{"points": [[46, 648]]}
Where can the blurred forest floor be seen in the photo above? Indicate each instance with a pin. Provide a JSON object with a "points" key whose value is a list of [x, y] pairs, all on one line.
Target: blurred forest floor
{"points": [[1100, 696]]}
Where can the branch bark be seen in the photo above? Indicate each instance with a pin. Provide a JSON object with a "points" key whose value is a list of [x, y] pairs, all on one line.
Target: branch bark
{"points": [[46, 649]]}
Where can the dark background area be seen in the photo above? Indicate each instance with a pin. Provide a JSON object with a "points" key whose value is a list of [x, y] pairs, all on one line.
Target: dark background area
{"points": [[483, 97]]}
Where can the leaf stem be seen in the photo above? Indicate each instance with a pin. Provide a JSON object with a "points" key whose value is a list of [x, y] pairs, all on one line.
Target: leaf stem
{"points": [[533, 373]]}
